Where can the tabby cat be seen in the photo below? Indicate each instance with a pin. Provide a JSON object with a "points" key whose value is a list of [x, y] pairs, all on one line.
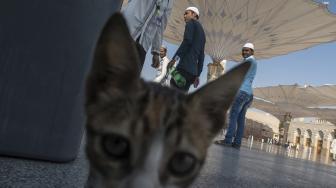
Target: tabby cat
{"points": [[143, 135]]}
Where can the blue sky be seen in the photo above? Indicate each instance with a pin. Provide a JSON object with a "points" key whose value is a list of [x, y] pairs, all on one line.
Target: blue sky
{"points": [[314, 66]]}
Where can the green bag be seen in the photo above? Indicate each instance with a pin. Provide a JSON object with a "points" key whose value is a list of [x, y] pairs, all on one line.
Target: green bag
{"points": [[178, 78]]}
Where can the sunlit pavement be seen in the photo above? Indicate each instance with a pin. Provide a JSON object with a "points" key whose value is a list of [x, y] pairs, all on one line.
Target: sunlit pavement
{"points": [[267, 167], [306, 153], [225, 167]]}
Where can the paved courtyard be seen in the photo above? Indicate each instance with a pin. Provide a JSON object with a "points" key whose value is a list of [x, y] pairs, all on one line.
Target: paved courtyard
{"points": [[225, 167]]}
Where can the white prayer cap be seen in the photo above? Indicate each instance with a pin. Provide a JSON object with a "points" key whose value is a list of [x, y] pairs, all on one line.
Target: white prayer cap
{"points": [[194, 9], [249, 45], [163, 46]]}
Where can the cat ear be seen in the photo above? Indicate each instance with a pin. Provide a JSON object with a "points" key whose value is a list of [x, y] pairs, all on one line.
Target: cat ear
{"points": [[115, 68], [215, 98]]}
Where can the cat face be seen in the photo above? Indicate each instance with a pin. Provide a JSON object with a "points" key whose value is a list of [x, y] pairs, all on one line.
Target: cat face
{"points": [[141, 134]]}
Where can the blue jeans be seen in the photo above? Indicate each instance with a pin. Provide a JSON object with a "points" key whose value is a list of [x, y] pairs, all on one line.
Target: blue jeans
{"points": [[238, 110]]}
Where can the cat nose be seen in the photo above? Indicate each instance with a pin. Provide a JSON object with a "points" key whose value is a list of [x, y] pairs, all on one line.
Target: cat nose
{"points": [[141, 179]]}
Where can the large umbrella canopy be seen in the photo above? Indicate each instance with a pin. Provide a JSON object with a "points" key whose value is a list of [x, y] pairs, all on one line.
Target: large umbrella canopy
{"points": [[276, 27], [328, 92], [308, 96], [299, 101]]}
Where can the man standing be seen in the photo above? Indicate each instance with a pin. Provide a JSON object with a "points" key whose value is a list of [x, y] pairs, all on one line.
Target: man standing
{"points": [[190, 54], [161, 76], [147, 20], [242, 102], [333, 149]]}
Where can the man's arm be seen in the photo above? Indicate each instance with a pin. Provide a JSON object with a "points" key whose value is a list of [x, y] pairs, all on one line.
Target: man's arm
{"points": [[199, 68], [200, 63], [135, 13]]}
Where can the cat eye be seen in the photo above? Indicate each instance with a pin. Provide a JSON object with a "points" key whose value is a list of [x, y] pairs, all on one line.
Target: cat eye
{"points": [[117, 147], [182, 164]]}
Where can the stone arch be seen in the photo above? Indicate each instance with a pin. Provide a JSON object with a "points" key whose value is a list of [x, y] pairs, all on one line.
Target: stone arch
{"points": [[319, 141], [307, 138], [329, 139], [320, 135], [330, 136], [297, 136]]}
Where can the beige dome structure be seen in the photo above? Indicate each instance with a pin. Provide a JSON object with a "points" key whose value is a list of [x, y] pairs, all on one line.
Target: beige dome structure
{"points": [[263, 118], [293, 101]]}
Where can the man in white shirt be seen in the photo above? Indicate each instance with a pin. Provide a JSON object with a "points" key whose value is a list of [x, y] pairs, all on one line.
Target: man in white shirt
{"points": [[333, 149], [162, 76]]}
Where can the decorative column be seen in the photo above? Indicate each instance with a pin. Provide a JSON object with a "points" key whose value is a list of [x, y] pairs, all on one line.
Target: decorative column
{"points": [[215, 69], [284, 127]]}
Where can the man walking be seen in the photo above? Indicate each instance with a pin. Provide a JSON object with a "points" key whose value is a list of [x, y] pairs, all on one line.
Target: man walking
{"points": [[242, 102], [190, 54], [147, 20]]}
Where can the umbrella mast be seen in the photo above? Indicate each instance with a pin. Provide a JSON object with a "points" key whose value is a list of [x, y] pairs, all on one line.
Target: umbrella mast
{"points": [[215, 69]]}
